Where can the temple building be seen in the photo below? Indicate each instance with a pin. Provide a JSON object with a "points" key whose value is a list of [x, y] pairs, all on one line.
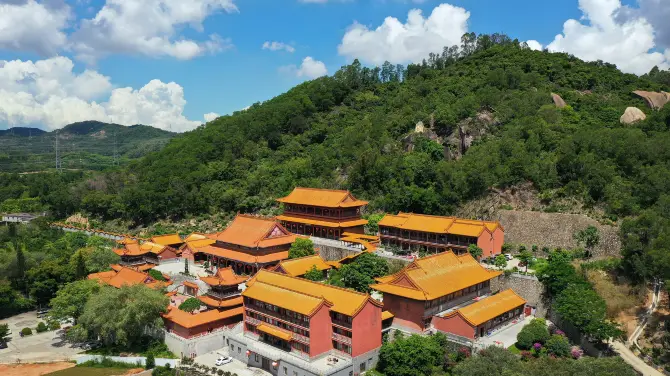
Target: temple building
{"points": [[323, 213], [247, 245], [171, 240], [120, 276], [476, 320], [431, 285], [193, 244], [434, 234], [298, 267], [294, 323], [222, 305]]}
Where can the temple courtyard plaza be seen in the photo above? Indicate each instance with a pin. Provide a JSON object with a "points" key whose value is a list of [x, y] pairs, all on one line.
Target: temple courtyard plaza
{"points": [[236, 366], [49, 346], [505, 336], [176, 267]]}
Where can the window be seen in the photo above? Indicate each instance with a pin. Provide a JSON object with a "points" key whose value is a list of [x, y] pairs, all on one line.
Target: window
{"points": [[285, 371], [232, 347], [362, 367], [256, 358], [239, 350], [295, 373]]}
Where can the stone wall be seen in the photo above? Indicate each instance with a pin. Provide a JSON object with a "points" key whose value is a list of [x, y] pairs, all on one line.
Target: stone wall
{"points": [[526, 287], [555, 230], [189, 347], [333, 250]]}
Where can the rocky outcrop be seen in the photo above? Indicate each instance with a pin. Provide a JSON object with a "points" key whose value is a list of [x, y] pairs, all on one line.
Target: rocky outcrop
{"points": [[419, 130], [632, 115], [558, 101], [466, 132], [654, 100]]}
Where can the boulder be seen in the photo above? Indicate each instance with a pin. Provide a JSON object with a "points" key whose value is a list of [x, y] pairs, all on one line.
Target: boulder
{"points": [[558, 101], [654, 100], [632, 115], [466, 132]]}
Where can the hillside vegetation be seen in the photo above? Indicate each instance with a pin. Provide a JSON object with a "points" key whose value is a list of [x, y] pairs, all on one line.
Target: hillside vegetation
{"points": [[88, 145], [347, 131]]}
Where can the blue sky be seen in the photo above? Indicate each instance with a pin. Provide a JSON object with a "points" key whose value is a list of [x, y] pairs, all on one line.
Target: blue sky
{"points": [[128, 43]]}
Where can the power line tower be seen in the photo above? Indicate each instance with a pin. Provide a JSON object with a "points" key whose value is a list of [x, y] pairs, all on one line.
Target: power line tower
{"points": [[59, 166]]}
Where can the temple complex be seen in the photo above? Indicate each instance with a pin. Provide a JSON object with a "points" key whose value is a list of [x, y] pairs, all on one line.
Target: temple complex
{"points": [[323, 213], [120, 276]]}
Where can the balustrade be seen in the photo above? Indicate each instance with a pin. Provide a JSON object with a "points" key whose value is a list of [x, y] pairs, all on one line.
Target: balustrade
{"points": [[341, 338]]}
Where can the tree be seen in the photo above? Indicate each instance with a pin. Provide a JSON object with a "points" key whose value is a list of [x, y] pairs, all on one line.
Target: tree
{"points": [[410, 356], [313, 274], [71, 299], [525, 257], [534, 332], [372, 227], [586, 310], [155, 274], [475, 251], [150, 362], [588, 238], [301, 247], [122, 316], [190, 305], [360, 273], [492, 360], [80, 266], [100, 259], [4, 332], [500, 262], [11, 302]]}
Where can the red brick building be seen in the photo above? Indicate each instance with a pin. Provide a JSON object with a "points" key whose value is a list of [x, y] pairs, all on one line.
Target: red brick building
{"points": [[323, 213], [431, 285], [311, 318], [434, 234]]}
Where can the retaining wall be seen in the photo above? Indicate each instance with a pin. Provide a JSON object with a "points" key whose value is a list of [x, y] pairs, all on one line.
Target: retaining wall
{"points": [[192, 347], [527, 287], [128, 359]]}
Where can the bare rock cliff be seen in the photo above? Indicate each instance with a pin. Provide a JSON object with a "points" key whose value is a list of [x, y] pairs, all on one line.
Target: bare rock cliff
{"points": [[655, 101]]}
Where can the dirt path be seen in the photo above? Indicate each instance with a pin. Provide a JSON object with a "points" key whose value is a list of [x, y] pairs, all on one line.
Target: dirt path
{"points": [[32, 369]]}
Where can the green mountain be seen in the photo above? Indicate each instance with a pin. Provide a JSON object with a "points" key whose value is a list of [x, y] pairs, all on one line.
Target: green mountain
{"points": [[88, 145], [426, 138]]}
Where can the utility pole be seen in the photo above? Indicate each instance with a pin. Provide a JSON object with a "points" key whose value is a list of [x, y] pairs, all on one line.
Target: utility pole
{"points": [[59, 166], [116, 151]]}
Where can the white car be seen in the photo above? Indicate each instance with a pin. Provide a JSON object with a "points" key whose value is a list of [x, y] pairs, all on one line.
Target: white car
{"points": [[509, 257], [223, 360]]}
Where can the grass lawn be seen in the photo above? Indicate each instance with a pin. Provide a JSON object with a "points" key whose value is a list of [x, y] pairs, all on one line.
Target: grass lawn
{"points": [[89, 371], [514, 350]]}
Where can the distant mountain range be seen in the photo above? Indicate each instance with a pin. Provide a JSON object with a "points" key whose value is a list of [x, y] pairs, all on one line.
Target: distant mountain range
{"points": [[88, 145]]}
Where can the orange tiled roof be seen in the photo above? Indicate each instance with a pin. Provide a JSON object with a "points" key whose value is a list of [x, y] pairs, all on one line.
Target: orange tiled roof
{"points": [[195, 236], [190, 284], [170, 239], [316, 222], [328, 198], [221, 303], [195, 245], [438, 225], [299, 266], [127, 241], [151, 247], [189, 320], [489, 308], [303, 296], [435, 276], [246, 258], [276, 332], [387, 315], [250, 231], [224, 277], [116, 267], [131, 249], [128, 276]]}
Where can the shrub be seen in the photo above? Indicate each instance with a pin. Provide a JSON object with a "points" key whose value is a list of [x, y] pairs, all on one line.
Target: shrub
{"points": [[54, 325], [41, 327], [26, 331], [508, 272], [150, 362], [558, 346], [155, 274], [535, 332], [219, 372]]}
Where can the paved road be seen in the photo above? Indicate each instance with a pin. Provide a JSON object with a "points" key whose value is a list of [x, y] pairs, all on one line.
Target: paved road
{"points": [[638, 364]]}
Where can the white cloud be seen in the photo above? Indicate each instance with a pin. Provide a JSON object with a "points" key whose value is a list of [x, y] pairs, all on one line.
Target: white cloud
{"points": [[277, 46], [309, 68], [48, 93], [26, 25], [396, 42], [627, 42], [534, 45], [149, 27], [211, 116]]}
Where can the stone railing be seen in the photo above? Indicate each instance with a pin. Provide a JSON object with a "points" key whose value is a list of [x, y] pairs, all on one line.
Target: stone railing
{"points": [[301, 338], [252, 321], [223, 295]]}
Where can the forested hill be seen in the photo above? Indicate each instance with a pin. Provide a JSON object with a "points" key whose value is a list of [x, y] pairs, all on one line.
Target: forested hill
{"points": [[88, 145], [355, 130]]}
